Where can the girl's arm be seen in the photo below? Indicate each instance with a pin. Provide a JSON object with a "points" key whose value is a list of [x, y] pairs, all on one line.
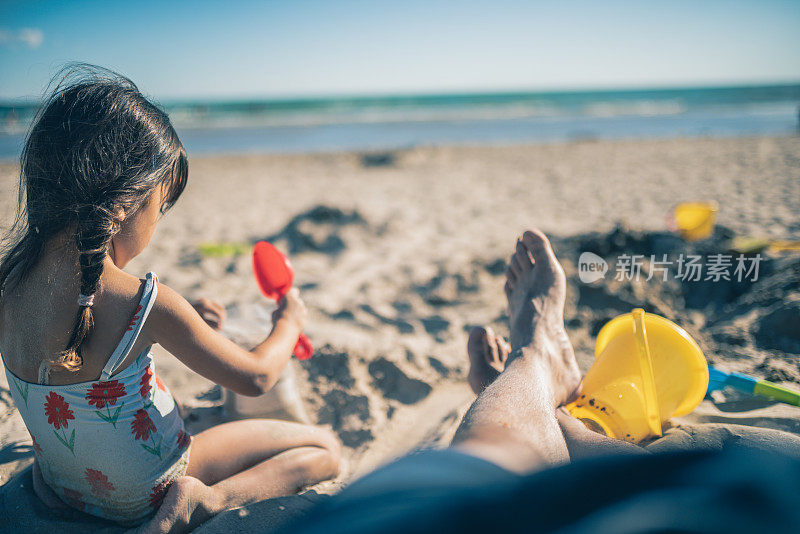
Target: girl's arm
{"points": [[211, 311], [175, 325]]}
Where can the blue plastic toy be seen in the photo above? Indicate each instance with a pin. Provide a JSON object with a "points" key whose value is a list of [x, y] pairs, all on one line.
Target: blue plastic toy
{"points": [[762, 388]]}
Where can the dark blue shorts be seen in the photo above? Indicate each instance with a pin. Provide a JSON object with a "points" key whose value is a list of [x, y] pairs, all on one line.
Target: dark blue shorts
{"points": [[442, 491]]}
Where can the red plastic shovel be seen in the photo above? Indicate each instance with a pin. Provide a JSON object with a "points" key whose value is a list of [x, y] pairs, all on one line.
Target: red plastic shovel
{"points": [[275, 276]]}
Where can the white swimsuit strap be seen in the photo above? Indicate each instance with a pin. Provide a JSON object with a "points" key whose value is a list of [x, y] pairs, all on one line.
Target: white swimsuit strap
{"points": [[126, 344]]}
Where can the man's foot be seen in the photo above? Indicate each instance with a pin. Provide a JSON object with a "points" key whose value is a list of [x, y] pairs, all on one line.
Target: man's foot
{"points": [[187, 504], [536, 288], [487, 357]]}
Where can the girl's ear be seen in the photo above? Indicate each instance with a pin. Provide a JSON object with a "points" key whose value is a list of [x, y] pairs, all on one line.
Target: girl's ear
{"points": [[119, 214], [119, 217]]}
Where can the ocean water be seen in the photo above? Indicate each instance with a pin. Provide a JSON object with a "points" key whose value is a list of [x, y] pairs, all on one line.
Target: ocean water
{"points": [[395, 122]]}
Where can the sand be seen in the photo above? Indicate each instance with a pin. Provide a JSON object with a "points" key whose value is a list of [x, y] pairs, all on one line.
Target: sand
{"points": [[399, 254]]}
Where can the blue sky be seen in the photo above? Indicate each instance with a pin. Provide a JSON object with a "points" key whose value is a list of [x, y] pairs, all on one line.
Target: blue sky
{"points": [[301, 47]]}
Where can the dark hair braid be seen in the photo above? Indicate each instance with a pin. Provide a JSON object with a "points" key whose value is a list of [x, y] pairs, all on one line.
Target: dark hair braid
{"points": [[93, 235], [97, 145]]}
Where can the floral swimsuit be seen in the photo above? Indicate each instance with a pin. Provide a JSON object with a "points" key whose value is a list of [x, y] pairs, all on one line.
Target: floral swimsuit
{"points": [[110, 447]]}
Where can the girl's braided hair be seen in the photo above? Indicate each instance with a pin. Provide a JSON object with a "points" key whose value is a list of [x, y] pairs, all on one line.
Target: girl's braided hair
{"points": [[95, 146]]}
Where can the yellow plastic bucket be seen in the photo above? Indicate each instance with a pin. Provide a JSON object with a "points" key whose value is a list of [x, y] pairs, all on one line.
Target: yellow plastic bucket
{"points": [[695, 220], [647, 369]]}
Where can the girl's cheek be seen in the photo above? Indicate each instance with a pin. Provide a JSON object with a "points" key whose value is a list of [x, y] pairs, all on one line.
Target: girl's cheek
{"points": [[142, 238], [127, 245], [120, 255]]}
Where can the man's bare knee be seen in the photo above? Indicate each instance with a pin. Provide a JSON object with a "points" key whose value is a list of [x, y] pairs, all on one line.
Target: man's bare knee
{"points": [[501, 445]]}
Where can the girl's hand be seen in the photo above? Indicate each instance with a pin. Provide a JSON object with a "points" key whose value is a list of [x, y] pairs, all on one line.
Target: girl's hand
{"points": [[291, 308], [176, 325], [211, 311]]}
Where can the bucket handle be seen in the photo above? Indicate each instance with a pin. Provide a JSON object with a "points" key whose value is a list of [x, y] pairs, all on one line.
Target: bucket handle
{"points": [[646, 369]]}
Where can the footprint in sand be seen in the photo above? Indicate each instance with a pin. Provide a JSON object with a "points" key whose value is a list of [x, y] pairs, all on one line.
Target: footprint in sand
{"points": [[437, 326], [330, 366], [317, 230], [348, 415], [395, 384], [331, 379]]}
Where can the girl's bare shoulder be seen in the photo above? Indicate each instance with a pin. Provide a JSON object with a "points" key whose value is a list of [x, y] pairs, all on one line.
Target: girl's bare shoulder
{"points": [[170, 310]]}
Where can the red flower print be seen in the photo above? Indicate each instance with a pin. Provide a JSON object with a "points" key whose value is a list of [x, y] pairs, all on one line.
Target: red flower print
{"points": [[99, 482], [160, 384], [142, 425], [36, 446], [159, 490], [135, 317], [57, 410], [145, 382], [103, 393], [74, 498], [184, 439]]}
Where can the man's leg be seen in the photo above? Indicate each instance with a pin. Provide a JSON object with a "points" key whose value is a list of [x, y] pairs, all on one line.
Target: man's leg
{"points": [[488, 354], [513, 421]]}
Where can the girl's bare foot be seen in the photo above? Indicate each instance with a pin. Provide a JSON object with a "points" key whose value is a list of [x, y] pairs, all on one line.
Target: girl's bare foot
{"points": [[187, 504], [487, 357], [536, 291]]}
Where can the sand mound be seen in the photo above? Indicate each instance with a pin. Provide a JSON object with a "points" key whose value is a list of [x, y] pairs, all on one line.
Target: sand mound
{"points": [[748, 325]]}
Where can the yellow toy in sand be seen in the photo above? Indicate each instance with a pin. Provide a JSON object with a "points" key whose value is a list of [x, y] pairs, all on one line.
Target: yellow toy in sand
{"points": [[647, 369], [695, 220]]}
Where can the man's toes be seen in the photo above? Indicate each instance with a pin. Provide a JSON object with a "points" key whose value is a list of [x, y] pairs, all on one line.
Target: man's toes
{"points": [[476, 343], [514, 266], [497, 352], [480, 370], [504, 347], [511, 279], [538, 245], [520, 262], [522, 258], [490, 354]]}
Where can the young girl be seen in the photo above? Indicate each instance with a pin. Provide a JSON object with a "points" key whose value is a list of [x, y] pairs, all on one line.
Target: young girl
{"points": [[99, 166]]}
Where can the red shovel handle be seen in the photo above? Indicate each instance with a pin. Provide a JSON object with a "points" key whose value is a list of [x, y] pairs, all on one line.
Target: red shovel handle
{"points": [[304, 349]]}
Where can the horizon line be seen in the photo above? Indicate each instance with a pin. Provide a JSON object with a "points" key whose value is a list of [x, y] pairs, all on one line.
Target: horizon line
{"points": [[284, 97]]}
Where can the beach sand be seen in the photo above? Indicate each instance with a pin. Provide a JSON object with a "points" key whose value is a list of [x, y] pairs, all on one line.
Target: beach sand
{"points": [[399, 254]]}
